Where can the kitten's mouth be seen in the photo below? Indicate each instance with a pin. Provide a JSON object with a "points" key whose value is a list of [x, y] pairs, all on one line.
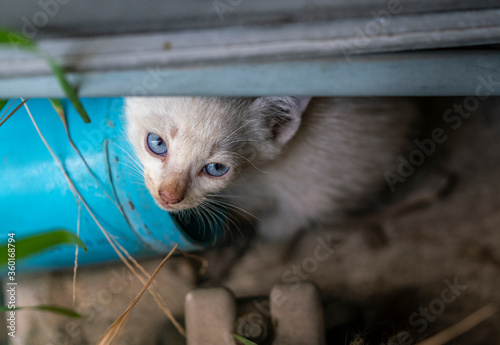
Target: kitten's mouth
{"points": [[169, 207], [172, 207]]}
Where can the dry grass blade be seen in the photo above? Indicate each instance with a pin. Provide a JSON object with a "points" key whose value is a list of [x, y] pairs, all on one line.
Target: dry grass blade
{"points": [[13, 111], [58, 107], [114, 244], [6, 109], [113, 331], [75, 265], [461, 327], [203, 261]]}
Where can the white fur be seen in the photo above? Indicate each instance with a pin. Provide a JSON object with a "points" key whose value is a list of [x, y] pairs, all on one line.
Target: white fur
{"points": [[287, 166]]}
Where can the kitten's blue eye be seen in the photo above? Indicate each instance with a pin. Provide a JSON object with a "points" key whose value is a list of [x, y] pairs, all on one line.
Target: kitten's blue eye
{"points": [[157, 144], [215, 169]]}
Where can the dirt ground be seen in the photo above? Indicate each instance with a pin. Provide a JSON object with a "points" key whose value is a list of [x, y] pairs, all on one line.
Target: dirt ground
{"points": [[418, 270]]}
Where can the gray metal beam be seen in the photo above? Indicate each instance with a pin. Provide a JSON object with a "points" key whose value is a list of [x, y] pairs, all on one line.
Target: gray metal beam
{"points": [[402, 74], [354, 56], [190, 48], [69, 18]]}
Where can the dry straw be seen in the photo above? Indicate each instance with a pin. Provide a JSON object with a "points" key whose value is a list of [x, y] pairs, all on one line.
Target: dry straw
{"points": [[126, 258]]}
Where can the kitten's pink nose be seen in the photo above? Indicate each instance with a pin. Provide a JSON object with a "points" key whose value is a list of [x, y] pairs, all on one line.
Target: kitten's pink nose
{"points": [[170, 198]]}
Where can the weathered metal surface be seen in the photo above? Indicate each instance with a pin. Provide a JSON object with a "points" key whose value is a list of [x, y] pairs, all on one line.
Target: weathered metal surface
{"points": [[63, 18], [346, 38], [414, 74], [322, 57]]}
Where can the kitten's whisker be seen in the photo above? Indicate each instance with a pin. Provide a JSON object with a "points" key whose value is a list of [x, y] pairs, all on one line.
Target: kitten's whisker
{"points": [[226, 219], [251, 163], [136, 177], [140, 183], [209, 214], [204, 219], [131, 167], [140, 186], [132, 162], [229, 205], [191, 213], [136, 173], [215, 212], [226, 216], [132, 157], [221, 195], [136, 180], [200, 216], [262, 142], [182, 215], [247, 123], [130, 170], [211, 224]]}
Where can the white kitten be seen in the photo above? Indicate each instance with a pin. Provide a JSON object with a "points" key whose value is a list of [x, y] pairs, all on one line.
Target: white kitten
{"points": [[287, 160]]}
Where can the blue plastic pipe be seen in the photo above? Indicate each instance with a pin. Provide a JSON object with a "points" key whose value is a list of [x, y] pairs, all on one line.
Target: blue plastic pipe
{"points": [[35, 197]]}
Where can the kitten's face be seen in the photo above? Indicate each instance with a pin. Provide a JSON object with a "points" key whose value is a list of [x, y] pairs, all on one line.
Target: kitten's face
{"points": [[193, 148]]}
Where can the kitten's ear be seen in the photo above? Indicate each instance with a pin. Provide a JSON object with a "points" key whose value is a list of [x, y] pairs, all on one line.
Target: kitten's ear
{"points": [[281, 115]]}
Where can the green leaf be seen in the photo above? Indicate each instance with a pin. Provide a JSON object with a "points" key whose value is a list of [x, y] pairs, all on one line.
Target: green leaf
{"points": [[69, 91], [16, 40], [38, 243], [58, 107], [3, 102], [50, 308], [243, 340]]}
